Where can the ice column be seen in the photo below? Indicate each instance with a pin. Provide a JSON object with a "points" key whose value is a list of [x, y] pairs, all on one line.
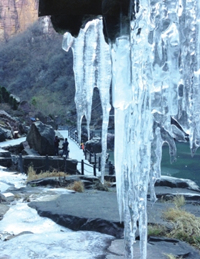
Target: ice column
{"points": [[103, 65], [189, 91], [92, 68], [135, 112], [84, 55]]}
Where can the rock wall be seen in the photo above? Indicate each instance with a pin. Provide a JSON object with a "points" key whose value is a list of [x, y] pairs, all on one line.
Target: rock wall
{"points": [[16, 16]]}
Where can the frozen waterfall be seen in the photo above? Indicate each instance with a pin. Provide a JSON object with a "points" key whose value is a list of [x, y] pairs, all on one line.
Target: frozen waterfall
{"points": [[155, 77]]}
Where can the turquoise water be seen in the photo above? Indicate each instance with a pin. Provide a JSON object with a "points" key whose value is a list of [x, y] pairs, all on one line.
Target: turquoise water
{"points": [[185, 166]]}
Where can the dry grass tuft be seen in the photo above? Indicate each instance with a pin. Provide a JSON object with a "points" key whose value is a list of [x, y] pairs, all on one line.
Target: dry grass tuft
{"points": [[77, 186], [33, 176], [179, 201], [186, 226], [170, 256], [156, 230]]}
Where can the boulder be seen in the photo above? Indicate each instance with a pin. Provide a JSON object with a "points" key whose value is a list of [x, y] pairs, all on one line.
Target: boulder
{"points": [[41, 138], [5, 134], [14, 149], [5, 158], [93, 145], [9, 126]]}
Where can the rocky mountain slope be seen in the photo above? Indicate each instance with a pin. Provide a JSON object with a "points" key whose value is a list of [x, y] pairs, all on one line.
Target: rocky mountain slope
{"points": [[34, 67], [16, 16]]}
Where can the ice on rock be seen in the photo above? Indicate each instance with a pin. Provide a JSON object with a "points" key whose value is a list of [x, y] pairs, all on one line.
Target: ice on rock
{"points": [[155, 73]]}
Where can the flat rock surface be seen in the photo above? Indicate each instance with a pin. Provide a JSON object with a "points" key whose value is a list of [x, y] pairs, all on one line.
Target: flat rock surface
{"points": [[101, 205], [90, 204], [156, 249]]}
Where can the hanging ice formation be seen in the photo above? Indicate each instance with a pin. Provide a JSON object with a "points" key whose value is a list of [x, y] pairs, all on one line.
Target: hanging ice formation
{"points": [[155, 76], [92, 68]]}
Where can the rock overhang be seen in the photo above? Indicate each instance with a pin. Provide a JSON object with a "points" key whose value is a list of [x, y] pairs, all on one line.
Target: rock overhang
{"points": [[71, 16]]}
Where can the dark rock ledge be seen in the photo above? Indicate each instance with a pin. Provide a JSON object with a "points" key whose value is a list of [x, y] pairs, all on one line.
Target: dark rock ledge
{"points": [[95, 210], [91, 210]]}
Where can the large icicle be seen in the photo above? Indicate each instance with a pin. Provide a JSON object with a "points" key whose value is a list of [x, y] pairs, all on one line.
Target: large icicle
{"points": [[84, 53], [92, 68], [122, 97], [103, 83]]}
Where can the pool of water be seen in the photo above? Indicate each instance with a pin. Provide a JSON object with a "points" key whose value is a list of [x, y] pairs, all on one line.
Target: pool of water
{"points": [[185, 166]]}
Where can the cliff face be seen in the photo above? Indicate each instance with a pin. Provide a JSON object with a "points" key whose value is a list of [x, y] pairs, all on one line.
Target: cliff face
{"points": [[16, 16]]}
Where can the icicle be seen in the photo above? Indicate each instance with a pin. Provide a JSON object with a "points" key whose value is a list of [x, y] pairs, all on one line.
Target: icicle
{"points": [[196, 80], [156, 157], [89, 56], [140, 127], [92, 67], [84, 53], [77, 46], [122, 98], [103, 83], [189, 113]]}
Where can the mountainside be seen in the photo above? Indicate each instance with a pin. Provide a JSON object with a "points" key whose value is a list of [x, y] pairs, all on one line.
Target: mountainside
{"points": [[16, 16], [34, 67]]}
